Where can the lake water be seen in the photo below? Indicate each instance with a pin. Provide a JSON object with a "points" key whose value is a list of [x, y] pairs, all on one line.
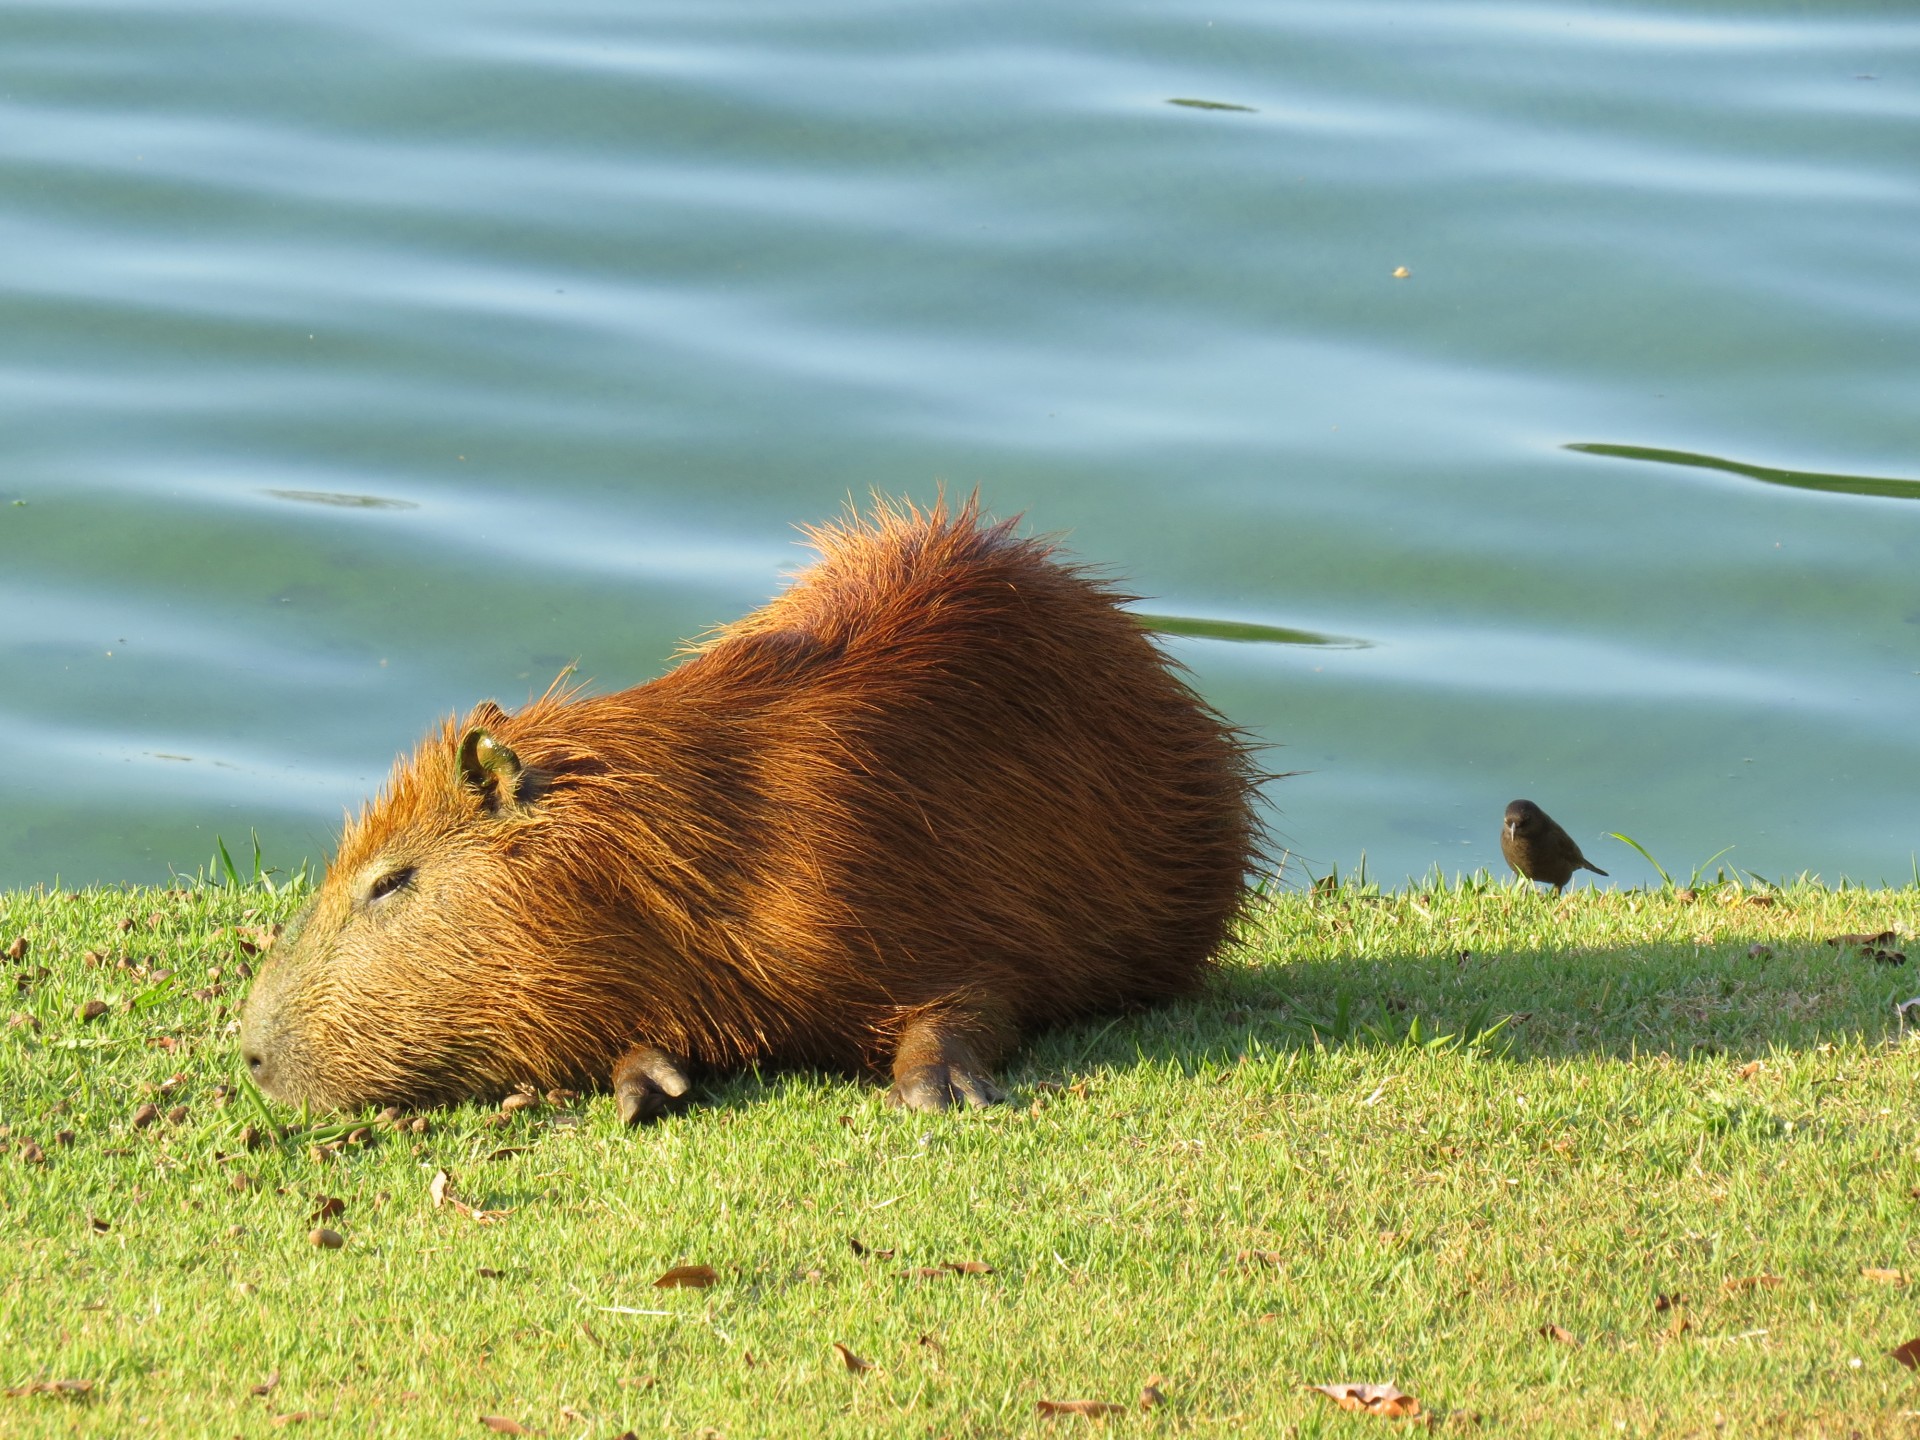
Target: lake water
{"points": [[361, 362]]}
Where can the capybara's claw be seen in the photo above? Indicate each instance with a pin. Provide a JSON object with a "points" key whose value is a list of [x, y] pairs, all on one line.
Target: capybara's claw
{"points": [[943, 1087], [647, 1083]]}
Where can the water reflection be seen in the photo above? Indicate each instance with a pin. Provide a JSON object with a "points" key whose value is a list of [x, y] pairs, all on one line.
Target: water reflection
{"points": [[1881, 487], [344, 502], [1242, 630]]}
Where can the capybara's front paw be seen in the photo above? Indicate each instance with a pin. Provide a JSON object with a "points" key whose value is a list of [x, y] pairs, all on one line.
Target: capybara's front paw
{"points": [[942, 1087], [647, 1083]]}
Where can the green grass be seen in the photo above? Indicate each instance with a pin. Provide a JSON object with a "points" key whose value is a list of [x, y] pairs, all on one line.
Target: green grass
{"points": [[1338, 1167]]}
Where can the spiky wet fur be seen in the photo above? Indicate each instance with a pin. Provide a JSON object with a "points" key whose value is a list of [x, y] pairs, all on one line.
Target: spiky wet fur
{"points": [[943, 773]]}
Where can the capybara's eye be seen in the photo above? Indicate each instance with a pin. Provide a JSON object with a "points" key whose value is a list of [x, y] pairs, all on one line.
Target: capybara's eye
{"points": [[388, 883]]}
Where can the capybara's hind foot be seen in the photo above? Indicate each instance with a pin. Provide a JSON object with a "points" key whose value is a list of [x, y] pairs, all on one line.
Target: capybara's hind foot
{"points": [[647, 1083], [942, 1087], [938, 1065]]}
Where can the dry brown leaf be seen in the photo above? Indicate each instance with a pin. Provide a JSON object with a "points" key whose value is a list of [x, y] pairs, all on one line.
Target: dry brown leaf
{"points": [[326, 1239], [853, 1243], [688, 1277], [94, 1009], [293, 1417], [1751, 1282], [1763, 901], [1908, 1354], [853, 1362], [1387, 1400], [1080, 1407], [1749, 1070], [501, 1425], [51, 1387], [100, 1226], [1878, 937], [1252, 1258], [327, 1206], [967, 1267], [1667, 1302], [18, 949], [438, 1187], [932, 1344], [567, 1412], [519, 1100], [1150, 1396], [265, 1387], [1680, 1324], [1563, 1337], [1885, 1277]]}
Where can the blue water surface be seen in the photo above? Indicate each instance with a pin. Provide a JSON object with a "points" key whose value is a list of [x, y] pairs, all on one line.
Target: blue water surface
{"points": [[359, 363]]}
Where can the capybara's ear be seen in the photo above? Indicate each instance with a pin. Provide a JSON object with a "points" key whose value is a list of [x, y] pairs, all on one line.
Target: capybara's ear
{"points": [[489, 767]]}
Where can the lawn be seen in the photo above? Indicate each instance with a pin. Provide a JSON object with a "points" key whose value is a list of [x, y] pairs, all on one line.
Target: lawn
{"points": [[1627, 1163]]}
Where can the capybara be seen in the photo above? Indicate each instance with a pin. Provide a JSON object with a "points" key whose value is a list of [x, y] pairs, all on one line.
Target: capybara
{"points": [[938, 794]]}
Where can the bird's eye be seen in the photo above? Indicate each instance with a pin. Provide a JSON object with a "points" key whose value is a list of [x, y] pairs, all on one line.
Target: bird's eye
{"points": [[388, 883]]}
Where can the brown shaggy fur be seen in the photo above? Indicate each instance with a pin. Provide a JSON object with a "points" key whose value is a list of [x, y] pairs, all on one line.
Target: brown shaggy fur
{"points": [[940, 793]]}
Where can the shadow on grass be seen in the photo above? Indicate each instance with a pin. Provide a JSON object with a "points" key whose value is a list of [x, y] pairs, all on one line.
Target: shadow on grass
{"points": [[1520, 1005]]}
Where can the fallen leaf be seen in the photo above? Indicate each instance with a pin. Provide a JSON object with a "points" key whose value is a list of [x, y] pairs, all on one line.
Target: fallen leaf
{"points": [[145, 1116], [1387, 1400], [486, 1273], [326, 1239], [1908, 1354], [327, 1206], [1686, 897], [1563, 1337], [1759, 952], [265, 1387], [1667, 1302], [94, 1009], [519, 1100], [100, 1226], [1749, 1070], [1763, 901], [567, 1412], [438, 1187], [1150, 1396], [1258, 1257], [967, 1267], [293, 1417], [687, 1277], [18, 949], [932, 1344], [501, 1425], [1878, 937], [52, 1387], [1080, 1407], [853, 1243], [852, 1361], [1885, 1277], [1751, 1282]]}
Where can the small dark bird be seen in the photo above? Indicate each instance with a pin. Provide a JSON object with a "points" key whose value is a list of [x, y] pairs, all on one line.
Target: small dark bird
{"points": [[1539, 849]]}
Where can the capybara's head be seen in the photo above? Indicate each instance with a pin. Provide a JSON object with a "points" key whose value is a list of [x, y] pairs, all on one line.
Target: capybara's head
{"points": [[411, 978]]}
